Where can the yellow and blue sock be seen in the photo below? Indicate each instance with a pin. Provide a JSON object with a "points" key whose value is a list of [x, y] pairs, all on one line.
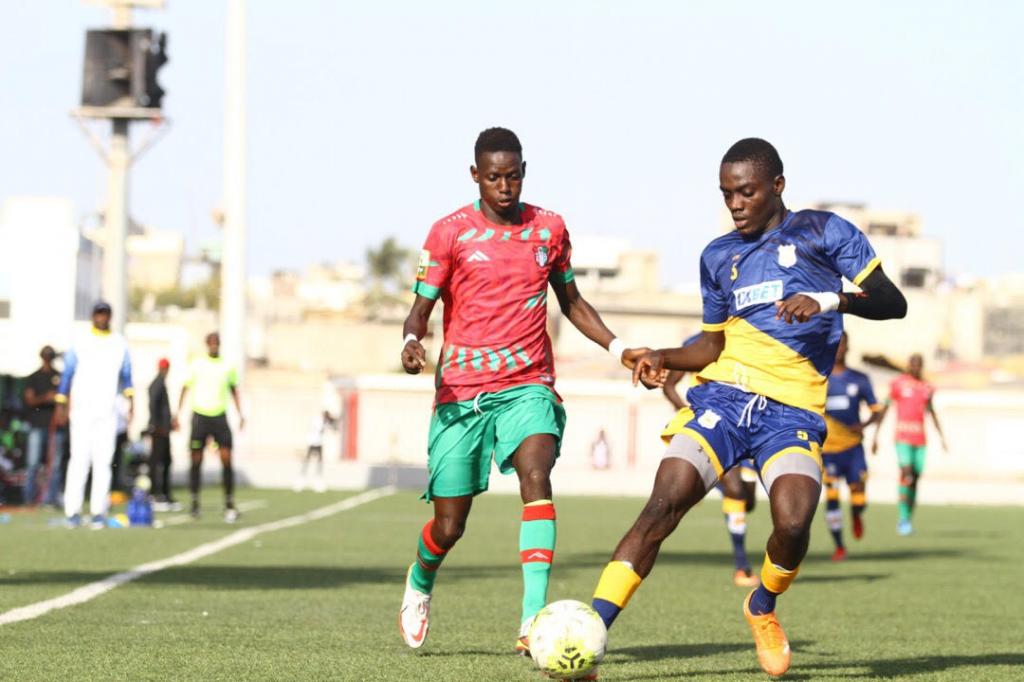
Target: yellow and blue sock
{"points": [[536, 550], [834, 515], [774, 581], [615, 588], [428, 559], [736, 522], [858, 502]]}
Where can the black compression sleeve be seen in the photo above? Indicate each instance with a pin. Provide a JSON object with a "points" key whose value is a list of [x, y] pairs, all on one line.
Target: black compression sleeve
{"points": [[880, 299]]}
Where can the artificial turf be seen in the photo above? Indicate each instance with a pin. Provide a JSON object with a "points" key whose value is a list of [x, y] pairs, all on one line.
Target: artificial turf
{"points": [[319, 601]]}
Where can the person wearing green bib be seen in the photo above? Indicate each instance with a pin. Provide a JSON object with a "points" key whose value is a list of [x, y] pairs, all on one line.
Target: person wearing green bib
{"points": [[213, 383]]}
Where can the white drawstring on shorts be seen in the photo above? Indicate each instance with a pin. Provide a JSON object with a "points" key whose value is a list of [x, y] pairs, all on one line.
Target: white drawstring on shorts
{"points": [[756, 401], [476, 404]]}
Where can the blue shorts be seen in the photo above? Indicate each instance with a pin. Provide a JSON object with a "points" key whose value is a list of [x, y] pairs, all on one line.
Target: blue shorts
{"points": [[849, 464], [731, 425]]}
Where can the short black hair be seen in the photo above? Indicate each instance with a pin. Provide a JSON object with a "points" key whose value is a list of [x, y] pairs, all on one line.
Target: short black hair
{"points": [[497, 140], [759, 152]]}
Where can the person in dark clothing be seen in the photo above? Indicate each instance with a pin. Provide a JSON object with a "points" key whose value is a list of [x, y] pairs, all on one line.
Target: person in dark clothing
{"points": [[44, 441], [160, 421]]}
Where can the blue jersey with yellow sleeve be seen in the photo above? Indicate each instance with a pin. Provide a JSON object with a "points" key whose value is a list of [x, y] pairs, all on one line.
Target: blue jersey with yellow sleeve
{"points": [[846, 391], [742, 278]]}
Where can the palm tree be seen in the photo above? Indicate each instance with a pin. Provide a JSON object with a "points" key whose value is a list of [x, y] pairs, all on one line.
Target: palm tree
{"points": [[388, 266]]}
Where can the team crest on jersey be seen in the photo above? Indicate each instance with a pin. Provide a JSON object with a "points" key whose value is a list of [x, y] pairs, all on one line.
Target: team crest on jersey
{"points": [[709, 419], [787, 255], [540, 254], [851, 390]]}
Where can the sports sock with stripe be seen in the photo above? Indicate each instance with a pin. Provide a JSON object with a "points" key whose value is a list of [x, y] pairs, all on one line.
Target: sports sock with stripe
{"points": [[833, 515], [736, 522], [536, 550], [774, 581], [905, 504], [858, 502], [615, 588], [428, 559]]}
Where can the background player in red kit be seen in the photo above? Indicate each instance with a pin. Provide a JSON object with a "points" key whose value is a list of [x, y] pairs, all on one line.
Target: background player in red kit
{"points": [[491, 263], [913, 397]]}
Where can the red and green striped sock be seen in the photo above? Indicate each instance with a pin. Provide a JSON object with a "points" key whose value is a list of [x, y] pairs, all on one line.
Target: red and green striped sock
{"points": [[536, 550], [428, 559]]}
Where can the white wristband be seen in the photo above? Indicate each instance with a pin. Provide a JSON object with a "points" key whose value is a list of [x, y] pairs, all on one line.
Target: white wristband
{"points": [[408, 338], [827, 300], [616, 348]]}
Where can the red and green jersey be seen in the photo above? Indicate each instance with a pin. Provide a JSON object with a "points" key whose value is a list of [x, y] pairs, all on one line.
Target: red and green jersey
{"points": [[912, 397], [493, 280]]}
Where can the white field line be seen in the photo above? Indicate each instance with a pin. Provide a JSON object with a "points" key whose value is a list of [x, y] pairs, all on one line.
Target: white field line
{"points": [[95, 589], [248, 506]]}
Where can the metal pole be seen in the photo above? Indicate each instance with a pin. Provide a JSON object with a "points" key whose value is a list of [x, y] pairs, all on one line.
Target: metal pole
{"points": [[233, 270], [115, 225]]}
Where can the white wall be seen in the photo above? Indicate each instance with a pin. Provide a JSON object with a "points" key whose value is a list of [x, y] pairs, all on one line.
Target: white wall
{"points": [[39, 258]]}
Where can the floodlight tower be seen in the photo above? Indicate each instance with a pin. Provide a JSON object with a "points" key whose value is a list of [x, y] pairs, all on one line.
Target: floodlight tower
{"points": [[119, 84]]}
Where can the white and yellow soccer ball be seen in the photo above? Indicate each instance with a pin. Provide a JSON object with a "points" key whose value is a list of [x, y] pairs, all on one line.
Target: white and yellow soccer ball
{"points": [[567, 639]]}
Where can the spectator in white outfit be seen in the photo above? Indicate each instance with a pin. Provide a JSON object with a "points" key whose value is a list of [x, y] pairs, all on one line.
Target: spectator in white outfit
{"points": [[96, 370]]}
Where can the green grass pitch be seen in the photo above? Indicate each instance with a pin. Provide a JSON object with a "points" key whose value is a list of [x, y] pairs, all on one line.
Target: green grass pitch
{"points": [[319, 601]]}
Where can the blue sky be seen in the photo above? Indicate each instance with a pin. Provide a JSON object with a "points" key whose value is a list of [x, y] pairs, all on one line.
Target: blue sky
{"points": [[362, 115]]}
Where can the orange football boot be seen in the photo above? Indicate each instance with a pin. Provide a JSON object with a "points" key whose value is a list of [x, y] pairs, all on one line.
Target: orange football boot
{"points": [[773, 651]]}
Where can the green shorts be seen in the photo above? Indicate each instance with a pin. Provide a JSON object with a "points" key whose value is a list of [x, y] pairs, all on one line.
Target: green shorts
{"points": [[465, 435], [911, 456]]}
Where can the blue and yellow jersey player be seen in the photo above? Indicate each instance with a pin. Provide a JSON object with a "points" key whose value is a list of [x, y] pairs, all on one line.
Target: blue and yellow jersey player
{"points": [[738, 485], [772, 292], [843, 451]]}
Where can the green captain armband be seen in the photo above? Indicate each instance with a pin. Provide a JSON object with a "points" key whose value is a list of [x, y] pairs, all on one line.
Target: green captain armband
{"points": [[569, 275], [425, 290]]}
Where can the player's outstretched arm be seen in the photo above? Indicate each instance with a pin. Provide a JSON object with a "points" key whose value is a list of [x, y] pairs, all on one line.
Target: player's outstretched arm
{"points": [[414, 355], [879, 299], [938, 427], [691, 358], [582, 314]]}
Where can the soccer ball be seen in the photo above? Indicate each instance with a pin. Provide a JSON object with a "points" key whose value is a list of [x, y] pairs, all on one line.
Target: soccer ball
{"points": [[567, 639]]}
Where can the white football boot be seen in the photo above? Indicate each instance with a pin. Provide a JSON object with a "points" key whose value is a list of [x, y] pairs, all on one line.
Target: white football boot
{"points": [[523, 643], [414, 618]]}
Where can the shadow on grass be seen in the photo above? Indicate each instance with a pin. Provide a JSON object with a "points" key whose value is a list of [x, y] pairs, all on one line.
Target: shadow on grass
{"points": [[869, 669], [855, 577], [227, 577], [659, 652], [261, 577], [719, 558], [913, 666]]}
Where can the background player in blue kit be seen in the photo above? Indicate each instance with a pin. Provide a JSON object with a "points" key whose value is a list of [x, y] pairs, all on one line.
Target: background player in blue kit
{"points": [[772, 294], [843, 452]]}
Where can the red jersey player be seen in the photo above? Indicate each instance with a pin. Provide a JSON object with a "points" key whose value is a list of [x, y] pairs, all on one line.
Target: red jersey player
{"points": [[913, 397], [491, 263]]}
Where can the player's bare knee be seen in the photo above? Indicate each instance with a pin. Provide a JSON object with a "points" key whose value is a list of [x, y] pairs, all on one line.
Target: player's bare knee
{"points": [[793, 531], [660, 516], [447, 531], [535, 484]]}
